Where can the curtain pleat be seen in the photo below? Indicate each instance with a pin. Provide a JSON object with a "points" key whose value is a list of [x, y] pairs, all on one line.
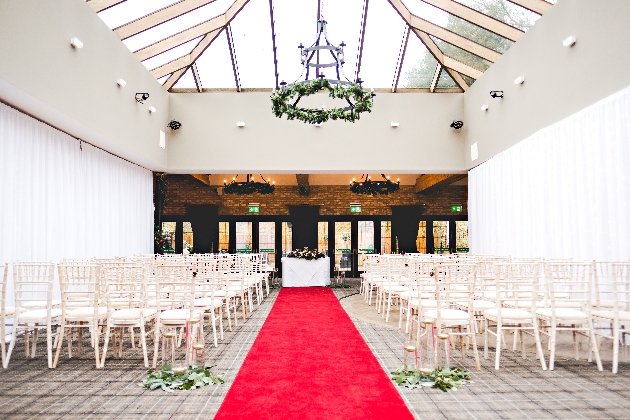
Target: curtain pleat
{"points": [[564, 192]]}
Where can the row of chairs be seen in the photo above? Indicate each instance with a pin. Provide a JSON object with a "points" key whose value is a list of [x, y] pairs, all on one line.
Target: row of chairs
{"points": [[497, 295], [154, 294]]}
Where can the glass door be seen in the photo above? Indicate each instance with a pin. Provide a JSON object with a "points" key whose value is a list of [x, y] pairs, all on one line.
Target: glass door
{"points": [[287, 238], [267, 241], [343, 237], [365, 241], [461, 236], [224, 237], [386, 237], [244, 237], [187, 240], [441, 237], [421, 239], [322, 237], [169, 228]]}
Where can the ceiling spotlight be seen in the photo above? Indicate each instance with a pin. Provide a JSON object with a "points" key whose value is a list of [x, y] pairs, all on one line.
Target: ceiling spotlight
{"points": [[569, 41], [240, 124], [174, 125], [496, 93], [76, 43], [395, 124], [457, 124], [519, 80], [152, 109], [121, 82], [484, 107], [141, 97]]}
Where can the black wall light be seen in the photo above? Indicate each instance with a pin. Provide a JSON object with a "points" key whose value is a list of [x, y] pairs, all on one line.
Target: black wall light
{"points": [[174, 125], [457, 124], [141, 97], [496, 93]]}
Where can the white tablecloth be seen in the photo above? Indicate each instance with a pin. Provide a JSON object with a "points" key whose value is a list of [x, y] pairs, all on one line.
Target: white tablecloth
{"points": [[298, 272]]}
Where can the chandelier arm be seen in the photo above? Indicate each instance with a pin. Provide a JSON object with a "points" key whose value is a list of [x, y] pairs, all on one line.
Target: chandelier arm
{"points": [[296, 101]]}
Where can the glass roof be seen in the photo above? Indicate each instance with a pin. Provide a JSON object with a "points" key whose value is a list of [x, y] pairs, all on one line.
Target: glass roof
{"points": [[168, 35]]}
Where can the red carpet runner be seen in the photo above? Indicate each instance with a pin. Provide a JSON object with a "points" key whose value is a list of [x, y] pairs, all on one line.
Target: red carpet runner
{"points": [[309, 362]]}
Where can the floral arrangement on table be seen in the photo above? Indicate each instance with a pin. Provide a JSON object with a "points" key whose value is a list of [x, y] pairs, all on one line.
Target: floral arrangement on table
{"points": [[307, 254], [194, 377], [443, 379]]}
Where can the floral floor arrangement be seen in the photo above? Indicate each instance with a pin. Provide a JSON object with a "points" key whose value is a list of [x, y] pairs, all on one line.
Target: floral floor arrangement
{"points": [[307, 254], [442, 379], [194, 377]]}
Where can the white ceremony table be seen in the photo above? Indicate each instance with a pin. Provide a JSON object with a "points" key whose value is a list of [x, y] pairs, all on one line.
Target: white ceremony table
{"points": [[299, 272]]}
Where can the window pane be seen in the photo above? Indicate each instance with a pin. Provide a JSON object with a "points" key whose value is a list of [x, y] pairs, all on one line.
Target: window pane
{"points": [[421, 240], [386, 237], [267, 240], [187, 243], [343, 235], [440, 237], [366, 241], [224, 236], [322, 237], [168, 228], [461, 235], [243, 236], [287, 237]]}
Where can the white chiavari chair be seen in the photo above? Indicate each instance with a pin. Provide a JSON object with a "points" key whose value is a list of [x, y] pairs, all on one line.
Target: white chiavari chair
{"points": [[394, 285], [206, 302]]}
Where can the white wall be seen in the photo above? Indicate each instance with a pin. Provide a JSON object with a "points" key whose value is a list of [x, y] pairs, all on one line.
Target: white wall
{"points": [[210, 142], [76, 90]]}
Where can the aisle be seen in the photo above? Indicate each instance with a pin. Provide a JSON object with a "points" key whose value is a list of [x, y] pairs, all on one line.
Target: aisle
{"points": [[309, 362]]}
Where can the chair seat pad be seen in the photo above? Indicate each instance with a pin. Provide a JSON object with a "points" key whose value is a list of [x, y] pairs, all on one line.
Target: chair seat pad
{"points": [[426, 303], [563, 314], [177, 316], [561, 303], [479, 305], [395, 289], [623, 315], [522, 303], [9, 310], [208, 303], [39, 303], [603, 303], [132, 314], [224, 293], [85, 313], [509, 315], [449, 315], [39, 315], [164, 303]]}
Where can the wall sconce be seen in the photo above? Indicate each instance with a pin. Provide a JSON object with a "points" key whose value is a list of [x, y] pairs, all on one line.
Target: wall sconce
{"points": [[141, 97], [519, 80], [484, 107], [496, 93], [240, 124], [121, 82], [152, 109], [395, 124], [569, 41], [76, 43]]}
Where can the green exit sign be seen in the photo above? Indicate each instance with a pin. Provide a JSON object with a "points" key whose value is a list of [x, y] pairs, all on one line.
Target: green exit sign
{"points": [[457, 209], [253, 208], [355, 208]]}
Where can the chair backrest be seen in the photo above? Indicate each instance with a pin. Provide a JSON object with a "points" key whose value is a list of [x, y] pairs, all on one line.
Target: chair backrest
{"points": [[3, 291], [33, 285], [517, 285], [621, 286], [570, 281], [175, 287], [124, 287], [456, 283], [80, 285]]}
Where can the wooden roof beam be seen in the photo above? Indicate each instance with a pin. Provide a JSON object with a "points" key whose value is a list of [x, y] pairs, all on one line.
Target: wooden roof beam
{"points": [[211, 25], [401, 58], [436, 77], [100, 5], [158, 17], [536, 6], [477, 18]]}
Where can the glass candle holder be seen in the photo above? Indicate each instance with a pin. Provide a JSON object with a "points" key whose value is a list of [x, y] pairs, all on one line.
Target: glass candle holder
{"points": [[427, 348], [443, 352], [410, 356], [168, 348], [198, 345], [194, 341]]}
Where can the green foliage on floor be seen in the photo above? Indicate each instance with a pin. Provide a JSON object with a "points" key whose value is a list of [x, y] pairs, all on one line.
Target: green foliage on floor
{"points": [[442, 379], [194, 377]]}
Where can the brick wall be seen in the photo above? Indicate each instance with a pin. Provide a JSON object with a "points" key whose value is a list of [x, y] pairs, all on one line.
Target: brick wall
{"points": [[335, 199]]}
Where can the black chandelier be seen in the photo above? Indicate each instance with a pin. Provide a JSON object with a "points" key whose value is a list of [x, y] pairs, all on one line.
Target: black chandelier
{"points": [[249, 186], [367, 186]]}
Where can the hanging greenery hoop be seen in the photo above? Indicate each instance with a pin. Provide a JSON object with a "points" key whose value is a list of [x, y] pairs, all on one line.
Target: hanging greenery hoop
{"points": [[359, 100]]}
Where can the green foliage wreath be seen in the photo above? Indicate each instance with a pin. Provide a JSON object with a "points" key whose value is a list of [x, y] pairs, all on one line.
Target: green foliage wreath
{"points": [[281, 97]]}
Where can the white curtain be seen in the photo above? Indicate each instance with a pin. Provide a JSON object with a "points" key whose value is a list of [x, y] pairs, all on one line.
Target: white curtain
{"points": [[61, 198], [563, 192]]}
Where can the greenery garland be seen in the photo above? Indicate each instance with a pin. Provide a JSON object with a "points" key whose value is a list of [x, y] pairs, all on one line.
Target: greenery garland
{"points": [[194, 377], [280, 102], [442, 379], [162, 189]]}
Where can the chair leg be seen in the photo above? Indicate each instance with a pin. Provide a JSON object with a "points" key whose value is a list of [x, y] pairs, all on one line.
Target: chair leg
{"points": [[615, 361], [107, 333], [156, 340], [49, 345], [474, 343], [575, 344], [35, 337], [11, 346], [593, 344], [552, 344], [144, 344], [498, 348], [80, 340], [60, 342], [95, 340], [538, 344], [214, 327]]}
